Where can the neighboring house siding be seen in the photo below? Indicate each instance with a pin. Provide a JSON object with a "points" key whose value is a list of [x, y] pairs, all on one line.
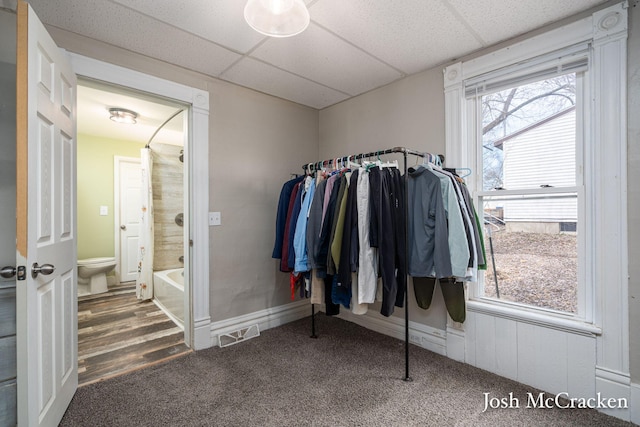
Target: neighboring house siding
{"points": [[543, 155]]}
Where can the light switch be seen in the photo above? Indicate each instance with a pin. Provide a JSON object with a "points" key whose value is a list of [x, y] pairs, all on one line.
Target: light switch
{"points": [[214, 218], [104, 210]]}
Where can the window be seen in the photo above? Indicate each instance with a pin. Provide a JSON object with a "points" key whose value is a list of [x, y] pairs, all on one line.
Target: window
{"points": [[576, 220], [525, 132], [528, 195]]}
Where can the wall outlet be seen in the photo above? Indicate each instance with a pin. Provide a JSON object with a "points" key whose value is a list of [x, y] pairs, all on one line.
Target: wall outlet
{"points": [[104, 210], [215, 218]]}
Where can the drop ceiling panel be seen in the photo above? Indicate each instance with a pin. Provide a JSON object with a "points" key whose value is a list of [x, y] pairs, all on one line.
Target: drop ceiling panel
{"points": [[409, 35], [114, 24], [349, 48], [326, 59], [498, 20], [257, 75], [220, 21]]}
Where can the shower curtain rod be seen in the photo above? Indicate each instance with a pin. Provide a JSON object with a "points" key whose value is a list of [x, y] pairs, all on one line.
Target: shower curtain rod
{"points": [[403, 150], [162, 125]]}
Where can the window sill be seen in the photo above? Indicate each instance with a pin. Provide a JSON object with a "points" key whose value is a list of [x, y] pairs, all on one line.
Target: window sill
{"points": [[538, 318]]}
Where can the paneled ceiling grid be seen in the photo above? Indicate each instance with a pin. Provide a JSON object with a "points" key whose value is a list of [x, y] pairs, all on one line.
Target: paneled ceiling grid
{"points": [[350, 47]]}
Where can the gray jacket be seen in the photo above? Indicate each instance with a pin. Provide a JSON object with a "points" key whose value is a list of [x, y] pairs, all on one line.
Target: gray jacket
{"points": [[428, 237]]}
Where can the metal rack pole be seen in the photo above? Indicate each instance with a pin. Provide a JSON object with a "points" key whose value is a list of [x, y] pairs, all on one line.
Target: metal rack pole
{"points": [[313, 322], [406, 270]]}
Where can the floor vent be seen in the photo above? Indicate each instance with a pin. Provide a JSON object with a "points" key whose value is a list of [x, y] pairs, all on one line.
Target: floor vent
{"points": [[225, 340]]}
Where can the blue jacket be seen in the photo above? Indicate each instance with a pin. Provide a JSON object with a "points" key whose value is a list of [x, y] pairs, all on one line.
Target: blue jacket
{"points": [[300, 238]]}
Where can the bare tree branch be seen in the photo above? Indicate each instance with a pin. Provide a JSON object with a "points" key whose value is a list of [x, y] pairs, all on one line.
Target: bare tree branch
{"points": [[506, 112]]}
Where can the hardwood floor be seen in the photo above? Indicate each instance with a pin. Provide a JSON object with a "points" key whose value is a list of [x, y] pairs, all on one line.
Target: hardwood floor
{"points": [[117, 334]]}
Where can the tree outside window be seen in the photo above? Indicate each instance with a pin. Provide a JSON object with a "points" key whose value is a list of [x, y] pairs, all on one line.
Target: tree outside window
{"points": [[528, 195]]}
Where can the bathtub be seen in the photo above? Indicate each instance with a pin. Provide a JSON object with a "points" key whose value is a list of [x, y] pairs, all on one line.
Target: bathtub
{"points": [[168, 293]]}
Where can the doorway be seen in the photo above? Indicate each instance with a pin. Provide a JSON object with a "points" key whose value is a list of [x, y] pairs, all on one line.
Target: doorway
{"points": [[197, 332], [113, 335]]}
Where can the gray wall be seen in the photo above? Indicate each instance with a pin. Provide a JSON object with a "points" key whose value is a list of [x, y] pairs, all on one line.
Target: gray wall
{"points": [[255, 142], [408, 113], [633, 176], [258, 142]]}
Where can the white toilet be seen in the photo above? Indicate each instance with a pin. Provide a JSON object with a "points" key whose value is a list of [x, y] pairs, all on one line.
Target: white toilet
{"points": [[92, 274]]}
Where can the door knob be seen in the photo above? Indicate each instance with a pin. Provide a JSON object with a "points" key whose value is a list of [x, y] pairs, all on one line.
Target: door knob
{"points": [[8, 272], [45, 269], [123, 227]]}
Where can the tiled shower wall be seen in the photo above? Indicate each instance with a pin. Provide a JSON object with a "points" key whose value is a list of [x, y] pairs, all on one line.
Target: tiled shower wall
{"points": [[168, 201]]}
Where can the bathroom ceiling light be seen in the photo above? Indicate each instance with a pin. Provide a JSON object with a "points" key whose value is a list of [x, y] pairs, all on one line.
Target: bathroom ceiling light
{"points": [[120, 115], [277, 18]]}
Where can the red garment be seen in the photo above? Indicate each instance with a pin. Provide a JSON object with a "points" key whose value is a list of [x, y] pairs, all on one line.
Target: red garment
{"points": [[293, 279]]}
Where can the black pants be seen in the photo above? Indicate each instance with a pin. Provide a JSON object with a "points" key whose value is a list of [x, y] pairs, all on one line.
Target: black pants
{"points": [[383, 235], [331, 309]]}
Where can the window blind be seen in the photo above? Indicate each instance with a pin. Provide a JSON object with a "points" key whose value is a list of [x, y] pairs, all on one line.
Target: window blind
{"points": [[573, 59]]}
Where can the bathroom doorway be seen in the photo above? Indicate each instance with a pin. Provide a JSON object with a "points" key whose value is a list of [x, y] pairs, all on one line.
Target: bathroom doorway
{"points": [[116, 331]]}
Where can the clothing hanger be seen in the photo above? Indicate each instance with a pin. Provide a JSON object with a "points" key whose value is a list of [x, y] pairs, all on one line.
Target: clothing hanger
{"points": [[351, 164], [467, 170], [427, 162], [372, 162]]}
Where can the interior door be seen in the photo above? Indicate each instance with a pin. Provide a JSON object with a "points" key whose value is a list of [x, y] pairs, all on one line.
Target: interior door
{"points": [[46, 289], [129, 216]]}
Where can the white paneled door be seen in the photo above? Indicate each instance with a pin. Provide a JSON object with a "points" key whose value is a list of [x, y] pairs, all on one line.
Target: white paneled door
{"points": [[46, 226], [128, 211]]}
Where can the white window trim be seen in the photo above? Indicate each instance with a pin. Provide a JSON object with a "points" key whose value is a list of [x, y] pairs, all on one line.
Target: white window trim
{"points": [[605, 220]]}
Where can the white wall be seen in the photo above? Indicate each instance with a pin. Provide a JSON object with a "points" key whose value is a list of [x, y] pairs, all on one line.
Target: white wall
{"points": [[633, 168]]}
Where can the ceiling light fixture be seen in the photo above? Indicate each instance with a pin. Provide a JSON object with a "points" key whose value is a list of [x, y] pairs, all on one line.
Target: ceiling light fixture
{"points": [[277, 18], [120, 115]]}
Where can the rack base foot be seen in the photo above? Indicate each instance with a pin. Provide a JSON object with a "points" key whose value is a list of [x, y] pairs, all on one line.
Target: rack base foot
{"points": [[407, 379], [314, 336]]}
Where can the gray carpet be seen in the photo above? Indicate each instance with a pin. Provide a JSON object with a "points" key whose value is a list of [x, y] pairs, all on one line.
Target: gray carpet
{"points": [[349, 376]]}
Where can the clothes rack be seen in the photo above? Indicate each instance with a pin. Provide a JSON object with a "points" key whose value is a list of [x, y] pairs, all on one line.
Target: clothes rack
{"points": [[314, 166]]}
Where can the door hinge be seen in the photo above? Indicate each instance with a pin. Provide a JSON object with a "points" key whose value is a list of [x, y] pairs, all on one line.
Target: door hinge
{"points": [[21, 272]]}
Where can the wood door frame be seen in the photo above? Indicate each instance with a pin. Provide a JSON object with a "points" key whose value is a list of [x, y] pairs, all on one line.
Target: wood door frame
{"points": [[196, 154], [117, 161]]}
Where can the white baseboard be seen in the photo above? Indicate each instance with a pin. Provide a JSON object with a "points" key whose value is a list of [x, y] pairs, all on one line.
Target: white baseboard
{"points": [[421, 335], [616, 385], [202, 334], [265, 319], [455, 344]]}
